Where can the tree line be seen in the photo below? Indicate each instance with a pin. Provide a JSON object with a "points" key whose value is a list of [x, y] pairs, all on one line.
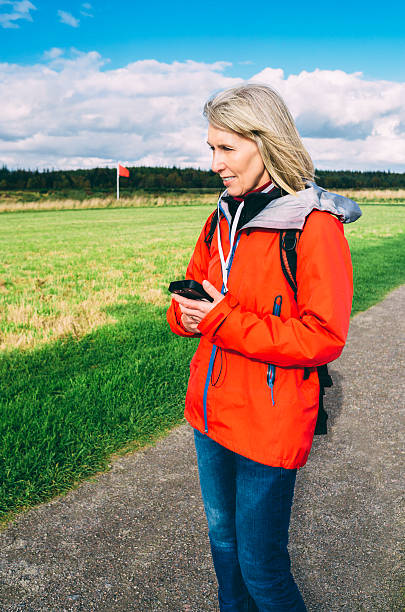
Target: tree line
{"points": [[102, 180]]}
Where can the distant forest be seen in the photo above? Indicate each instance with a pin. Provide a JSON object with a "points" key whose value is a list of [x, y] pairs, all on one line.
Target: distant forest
{"points": [[103, 180]]}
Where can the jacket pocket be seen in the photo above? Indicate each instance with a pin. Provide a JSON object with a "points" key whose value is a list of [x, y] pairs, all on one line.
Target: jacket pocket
{"points": [[271, 369]]}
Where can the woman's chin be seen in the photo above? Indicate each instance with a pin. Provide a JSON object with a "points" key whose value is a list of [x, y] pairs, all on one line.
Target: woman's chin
{"points": [[234, 190]]}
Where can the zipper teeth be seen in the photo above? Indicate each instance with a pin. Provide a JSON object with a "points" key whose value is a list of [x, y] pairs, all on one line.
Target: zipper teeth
{"points": [[287, 267], [207, 383]]}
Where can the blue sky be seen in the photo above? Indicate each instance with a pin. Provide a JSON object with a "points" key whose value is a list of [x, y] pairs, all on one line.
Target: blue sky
{"points": [[329, 41], [350, 36]]}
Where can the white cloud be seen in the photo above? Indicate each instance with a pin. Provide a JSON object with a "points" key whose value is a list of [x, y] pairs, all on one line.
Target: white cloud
{"points": [[68, 19], [80, 114], [53, 53], [345, 120], [19, 10], [86, 9]]}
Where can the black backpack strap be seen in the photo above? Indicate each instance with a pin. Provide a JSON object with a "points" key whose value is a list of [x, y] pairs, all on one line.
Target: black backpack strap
{"points": [[321, 428], [288, 257], [213, 224], [325, 380], [324, 376]]}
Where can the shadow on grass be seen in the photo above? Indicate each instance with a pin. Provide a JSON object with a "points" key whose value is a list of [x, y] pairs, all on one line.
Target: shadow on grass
{"points": [[67, 406]]}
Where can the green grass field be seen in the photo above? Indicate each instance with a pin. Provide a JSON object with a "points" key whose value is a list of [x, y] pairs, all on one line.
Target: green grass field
{"points": [[88, 365]]}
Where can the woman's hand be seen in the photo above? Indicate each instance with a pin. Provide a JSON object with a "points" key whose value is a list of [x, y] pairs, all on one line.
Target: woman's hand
{"points": [[193, 311]]}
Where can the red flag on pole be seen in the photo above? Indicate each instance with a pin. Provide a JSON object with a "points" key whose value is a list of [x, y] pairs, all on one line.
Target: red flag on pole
{"points": [[122, 171]]}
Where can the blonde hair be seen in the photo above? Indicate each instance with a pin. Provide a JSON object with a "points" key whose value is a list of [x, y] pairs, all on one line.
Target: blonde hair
{"points": [[258, 112]]}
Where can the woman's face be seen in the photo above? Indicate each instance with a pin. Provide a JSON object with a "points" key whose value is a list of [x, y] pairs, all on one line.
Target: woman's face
{"points": [[237, 160]]}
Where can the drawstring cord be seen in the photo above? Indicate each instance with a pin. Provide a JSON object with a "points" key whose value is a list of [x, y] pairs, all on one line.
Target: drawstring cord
{"points": [[226, 264]]}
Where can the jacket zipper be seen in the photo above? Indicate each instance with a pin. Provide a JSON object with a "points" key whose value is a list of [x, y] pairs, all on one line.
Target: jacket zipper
{"points": [[271, 369], [214, 349]]}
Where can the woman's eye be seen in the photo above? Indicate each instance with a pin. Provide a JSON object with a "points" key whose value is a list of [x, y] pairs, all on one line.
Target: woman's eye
{"points": [[223, 147]]}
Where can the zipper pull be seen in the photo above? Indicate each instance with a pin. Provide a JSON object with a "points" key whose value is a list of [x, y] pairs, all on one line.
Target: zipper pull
{"points": [[271, 369], [277, 305], [271, 375]]}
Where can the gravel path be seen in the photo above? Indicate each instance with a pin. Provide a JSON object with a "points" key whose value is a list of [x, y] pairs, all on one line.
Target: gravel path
{"points": [[134, 538]]}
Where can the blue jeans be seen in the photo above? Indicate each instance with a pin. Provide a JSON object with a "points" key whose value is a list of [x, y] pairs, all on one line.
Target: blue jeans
{"points": [[248, 508]]}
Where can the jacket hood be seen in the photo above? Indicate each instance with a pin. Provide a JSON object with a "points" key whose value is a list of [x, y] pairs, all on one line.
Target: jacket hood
{"points": [[291, 211]]}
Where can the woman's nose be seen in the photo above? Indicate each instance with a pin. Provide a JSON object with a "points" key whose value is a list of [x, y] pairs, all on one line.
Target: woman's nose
{"points": [[217, 163]]}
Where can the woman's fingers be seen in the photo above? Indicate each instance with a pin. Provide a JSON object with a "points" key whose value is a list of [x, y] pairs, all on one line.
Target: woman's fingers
{"points": [[212, 291], [189, 324], [193, 308], [196, 310], [194, 304], [192, 312]]}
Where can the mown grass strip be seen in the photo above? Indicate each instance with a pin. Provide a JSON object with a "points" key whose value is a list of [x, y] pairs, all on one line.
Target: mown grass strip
{"points": [[66, 406], [60, 270]]}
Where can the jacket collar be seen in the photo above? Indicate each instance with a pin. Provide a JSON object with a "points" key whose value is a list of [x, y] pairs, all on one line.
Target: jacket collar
{"points": [[290, 211], [254, 201]]}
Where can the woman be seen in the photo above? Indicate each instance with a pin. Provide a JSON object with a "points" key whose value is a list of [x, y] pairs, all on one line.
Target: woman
{"points": [[253, 392]]}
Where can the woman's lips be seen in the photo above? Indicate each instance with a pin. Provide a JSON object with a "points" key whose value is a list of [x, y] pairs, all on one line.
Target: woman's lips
{"points": [[227, 179]]}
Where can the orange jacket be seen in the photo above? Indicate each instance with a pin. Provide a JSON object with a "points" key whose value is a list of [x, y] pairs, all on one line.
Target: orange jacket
{"points": [[228, 394]]}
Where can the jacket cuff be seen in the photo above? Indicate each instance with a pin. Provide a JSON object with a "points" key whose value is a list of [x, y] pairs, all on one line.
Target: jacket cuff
{"points": [[214, 319]]}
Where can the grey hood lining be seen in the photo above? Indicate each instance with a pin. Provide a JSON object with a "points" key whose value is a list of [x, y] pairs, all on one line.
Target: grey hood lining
{"points": [[291, 211]]}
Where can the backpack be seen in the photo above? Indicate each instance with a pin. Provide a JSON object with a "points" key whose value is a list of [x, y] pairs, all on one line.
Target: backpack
{"points": [[288, 258]]}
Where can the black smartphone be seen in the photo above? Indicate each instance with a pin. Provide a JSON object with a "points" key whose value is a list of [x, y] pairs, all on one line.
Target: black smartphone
{"points": [[190, 289]]}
